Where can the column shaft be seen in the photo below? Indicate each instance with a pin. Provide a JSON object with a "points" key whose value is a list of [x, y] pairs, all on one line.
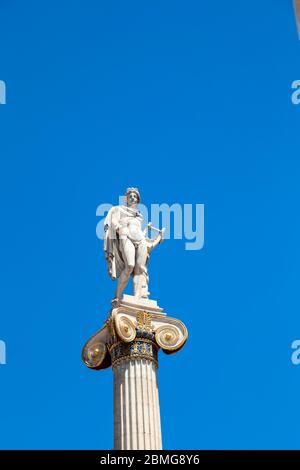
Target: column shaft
{"points": [[136, 405]]}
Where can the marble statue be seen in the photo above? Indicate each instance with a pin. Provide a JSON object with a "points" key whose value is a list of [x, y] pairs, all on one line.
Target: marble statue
{"points": [[127, 247]]}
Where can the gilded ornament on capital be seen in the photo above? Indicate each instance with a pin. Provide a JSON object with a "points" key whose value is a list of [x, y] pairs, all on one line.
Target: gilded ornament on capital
{"points": [[125, 329], [94, 355], [167, 337], [143, 321]]}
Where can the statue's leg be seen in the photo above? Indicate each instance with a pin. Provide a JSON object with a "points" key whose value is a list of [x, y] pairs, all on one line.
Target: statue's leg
{"points": [[140, 273], [128, 252]]}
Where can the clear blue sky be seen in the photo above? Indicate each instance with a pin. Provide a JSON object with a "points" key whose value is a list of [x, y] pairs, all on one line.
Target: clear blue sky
{"points": [[189, 101]]}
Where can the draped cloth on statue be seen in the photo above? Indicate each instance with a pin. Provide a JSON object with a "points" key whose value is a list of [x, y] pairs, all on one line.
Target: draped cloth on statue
{"points": [[113, 254]]}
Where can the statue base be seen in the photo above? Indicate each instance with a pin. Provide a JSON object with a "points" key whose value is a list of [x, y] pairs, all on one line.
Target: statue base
{"points": [[139, 303]]}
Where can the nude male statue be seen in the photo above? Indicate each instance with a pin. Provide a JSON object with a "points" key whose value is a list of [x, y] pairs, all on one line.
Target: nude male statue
{"points": [[127, 246]]}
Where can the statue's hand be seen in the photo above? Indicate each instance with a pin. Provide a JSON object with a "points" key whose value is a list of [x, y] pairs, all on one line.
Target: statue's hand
{"points": [[153, 242], [160, 238]]}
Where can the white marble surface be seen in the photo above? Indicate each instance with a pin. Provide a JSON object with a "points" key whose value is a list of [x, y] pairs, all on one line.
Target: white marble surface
{"points": [[149, 305], [136, 406], [127, 247]]}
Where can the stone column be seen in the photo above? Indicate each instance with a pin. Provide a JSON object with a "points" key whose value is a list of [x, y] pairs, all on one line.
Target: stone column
{"points": [[136, 406], [130, 341]]}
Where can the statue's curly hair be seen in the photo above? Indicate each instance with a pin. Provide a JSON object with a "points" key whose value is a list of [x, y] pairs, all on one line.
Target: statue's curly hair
{"points": [[133, 190]]}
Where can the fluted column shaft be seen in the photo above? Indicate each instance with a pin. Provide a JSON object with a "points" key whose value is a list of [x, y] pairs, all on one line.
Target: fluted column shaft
{"points": [[136, 405]]}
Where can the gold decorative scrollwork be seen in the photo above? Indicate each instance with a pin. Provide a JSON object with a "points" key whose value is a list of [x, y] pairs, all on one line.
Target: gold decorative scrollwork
{"points": [[94, 354], [143, 320], [125, 328], [168, 337]]}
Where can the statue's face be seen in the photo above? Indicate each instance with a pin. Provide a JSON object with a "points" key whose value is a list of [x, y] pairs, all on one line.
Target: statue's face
{"points": [[132, 198]]}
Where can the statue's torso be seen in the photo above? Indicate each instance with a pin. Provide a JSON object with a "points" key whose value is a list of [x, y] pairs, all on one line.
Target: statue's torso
{"points": [[131, 224]]}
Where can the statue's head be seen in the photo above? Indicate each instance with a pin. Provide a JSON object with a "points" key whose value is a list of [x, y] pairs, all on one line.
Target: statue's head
{"points": [[132, 196]]}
